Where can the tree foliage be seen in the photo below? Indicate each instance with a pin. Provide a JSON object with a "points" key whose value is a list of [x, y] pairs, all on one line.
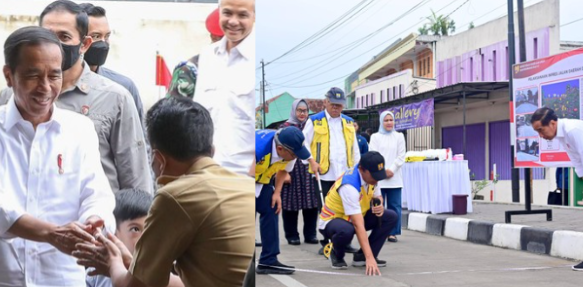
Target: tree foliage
{"points": [[438, 25]]}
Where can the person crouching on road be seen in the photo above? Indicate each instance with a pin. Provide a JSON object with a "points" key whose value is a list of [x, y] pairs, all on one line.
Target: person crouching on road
{"points": [[347, 211]]}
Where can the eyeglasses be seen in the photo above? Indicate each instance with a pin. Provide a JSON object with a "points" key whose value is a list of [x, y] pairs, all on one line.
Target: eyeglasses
{"points": [[302, 111]]}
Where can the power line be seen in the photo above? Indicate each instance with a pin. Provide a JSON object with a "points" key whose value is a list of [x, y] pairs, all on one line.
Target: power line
{"points": [[317, 35], [314, 69], [360, 40], [339, 48], [307, 86], [489, 12], [574, 21], [346, 20], [460, 6], [312, 92], [501, 15]]}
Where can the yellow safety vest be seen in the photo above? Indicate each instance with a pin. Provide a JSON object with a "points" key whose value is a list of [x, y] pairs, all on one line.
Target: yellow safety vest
{"points": [[333, 207], [320, 147], [264, 169]]}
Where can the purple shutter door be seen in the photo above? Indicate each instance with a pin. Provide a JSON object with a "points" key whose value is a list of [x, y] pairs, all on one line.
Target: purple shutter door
{"points": [[499, 137], [500, 152], [475, 146]]}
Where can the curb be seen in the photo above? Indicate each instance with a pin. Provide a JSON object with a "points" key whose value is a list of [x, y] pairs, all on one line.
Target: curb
{"points": [[559, 243]]}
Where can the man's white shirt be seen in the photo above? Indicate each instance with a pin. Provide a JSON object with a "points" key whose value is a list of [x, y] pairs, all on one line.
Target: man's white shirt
{"points": [[30, 165], [338, 163], [350, 200], [226, 88], [570, 135]]}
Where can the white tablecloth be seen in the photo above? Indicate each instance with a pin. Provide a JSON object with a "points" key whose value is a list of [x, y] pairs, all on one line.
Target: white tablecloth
{"points": [[428, 186]]}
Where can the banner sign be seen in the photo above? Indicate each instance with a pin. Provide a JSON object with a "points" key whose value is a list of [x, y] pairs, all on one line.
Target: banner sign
{"points": [[414, 115], [553, 82]]}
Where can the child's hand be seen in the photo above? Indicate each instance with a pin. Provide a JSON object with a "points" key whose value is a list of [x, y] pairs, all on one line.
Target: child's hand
{"points": [[93, 256], [126, 255]]}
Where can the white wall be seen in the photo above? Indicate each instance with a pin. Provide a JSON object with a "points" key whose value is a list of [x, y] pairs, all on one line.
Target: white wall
{"points": [[541, 15], [404, 78], [140, 29], [540, 189]]}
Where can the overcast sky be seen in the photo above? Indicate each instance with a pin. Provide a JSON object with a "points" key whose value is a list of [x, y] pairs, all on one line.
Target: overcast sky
{"points": [[310, 72]]}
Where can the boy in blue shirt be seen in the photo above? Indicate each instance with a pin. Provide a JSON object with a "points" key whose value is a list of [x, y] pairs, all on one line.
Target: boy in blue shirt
{"points": [[131, 209]]}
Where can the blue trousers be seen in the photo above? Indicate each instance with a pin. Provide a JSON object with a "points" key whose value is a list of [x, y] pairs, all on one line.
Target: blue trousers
{"points": [[392, 199], [342, 232], [268, 226]]}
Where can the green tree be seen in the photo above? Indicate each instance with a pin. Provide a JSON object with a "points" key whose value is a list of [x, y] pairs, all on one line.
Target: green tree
{"points": [[423, 30], [438, 25], [471, 25]]}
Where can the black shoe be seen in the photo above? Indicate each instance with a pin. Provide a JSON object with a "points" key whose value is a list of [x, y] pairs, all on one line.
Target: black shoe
{"points": [[293, 242], [339, 264], [312, 240], [277, 268], [578, 267], [359, 260], [257, 243], [392, 238], [350, 249]]}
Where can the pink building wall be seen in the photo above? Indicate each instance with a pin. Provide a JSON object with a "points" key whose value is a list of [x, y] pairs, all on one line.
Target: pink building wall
{"points": [[469, 67]]}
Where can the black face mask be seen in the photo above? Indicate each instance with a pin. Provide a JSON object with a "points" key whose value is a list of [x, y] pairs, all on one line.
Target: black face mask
{"points": [[71, 55], [97, 53]]}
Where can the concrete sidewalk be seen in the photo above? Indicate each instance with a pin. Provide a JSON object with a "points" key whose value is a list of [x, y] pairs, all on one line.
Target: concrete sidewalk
{"points": [[561, 237]]}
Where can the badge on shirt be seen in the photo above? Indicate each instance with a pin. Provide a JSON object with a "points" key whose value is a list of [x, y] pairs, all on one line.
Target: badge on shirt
{"points": [[85, 109]]}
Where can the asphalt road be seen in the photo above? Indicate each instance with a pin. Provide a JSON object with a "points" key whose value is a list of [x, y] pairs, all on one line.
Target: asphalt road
{"points": [[420, 260]]}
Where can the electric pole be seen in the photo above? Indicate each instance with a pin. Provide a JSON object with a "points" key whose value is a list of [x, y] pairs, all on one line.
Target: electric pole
{"points": [[263, 123], [515, 178]]}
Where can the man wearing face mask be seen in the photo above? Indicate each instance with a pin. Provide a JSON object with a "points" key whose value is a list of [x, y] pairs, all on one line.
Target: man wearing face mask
{"points": [[121, 139], [96, 56]]}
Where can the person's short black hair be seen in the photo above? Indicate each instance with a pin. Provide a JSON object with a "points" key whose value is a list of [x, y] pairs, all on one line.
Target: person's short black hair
{"points": [[73, 8], [131, 204], [180, 128], [544, 115], [27, 36], [92, 10]]}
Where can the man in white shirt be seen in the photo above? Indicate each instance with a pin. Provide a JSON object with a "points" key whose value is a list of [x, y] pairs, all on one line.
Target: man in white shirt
{"points": [[569, 132], [226, 86], [331, 139], [349, 209], [54, 193]]}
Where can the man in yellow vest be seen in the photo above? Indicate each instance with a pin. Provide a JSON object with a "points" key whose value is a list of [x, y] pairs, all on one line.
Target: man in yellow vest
{"points": [[331, 139], [348, 210], [275, 155]]}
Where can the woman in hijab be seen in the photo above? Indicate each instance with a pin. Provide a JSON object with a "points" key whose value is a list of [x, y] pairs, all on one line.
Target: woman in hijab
{"points": [[299, 193], [391, 144]]}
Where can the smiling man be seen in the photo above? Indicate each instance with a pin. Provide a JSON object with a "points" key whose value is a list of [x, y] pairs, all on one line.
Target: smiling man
{"points": [[109, 106], [54, 192], [226, 86]]}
